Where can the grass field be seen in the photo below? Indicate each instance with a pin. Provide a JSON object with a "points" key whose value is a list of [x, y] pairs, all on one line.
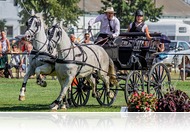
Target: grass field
{"points": [[38, 98]]}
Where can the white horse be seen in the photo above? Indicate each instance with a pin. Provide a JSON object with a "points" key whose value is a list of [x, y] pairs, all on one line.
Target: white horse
{"points": [[41, 51], [81, 61]]}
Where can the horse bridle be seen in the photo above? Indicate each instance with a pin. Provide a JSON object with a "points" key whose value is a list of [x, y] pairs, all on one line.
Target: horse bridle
{"points": [[59, 34], [38, 25]]}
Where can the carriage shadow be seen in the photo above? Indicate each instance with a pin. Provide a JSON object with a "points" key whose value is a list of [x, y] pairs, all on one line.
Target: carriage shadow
{"points": [[25, 108]]}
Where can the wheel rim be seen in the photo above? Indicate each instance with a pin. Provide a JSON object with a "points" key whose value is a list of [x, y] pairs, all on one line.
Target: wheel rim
{"points": [[159, 80], [103, 99], [134, 83], [80, 92]]}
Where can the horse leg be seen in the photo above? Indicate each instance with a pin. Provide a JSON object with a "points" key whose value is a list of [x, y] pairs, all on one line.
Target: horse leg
{"points": [[44, 69], [23, 88], [65, 84], [92, 82], [106, 80]]}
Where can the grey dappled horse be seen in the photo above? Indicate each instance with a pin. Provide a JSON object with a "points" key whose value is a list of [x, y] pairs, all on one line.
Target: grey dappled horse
{"points": [[81, 61], [41, 51]]}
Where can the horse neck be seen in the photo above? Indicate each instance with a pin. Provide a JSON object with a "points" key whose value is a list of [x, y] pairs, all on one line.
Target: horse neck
{"points": [[64, 46], [40, 43]]}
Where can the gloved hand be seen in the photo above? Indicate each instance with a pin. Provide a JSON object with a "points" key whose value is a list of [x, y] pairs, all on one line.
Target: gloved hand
{"points": [[89, 28], [110, 36]]}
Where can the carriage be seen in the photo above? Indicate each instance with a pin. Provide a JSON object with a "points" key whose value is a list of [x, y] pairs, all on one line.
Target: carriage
{"points": [[134, 59], [131, 54]]}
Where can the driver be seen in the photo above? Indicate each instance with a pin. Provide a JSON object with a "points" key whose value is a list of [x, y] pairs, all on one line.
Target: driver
{"points": [[110, 25]]}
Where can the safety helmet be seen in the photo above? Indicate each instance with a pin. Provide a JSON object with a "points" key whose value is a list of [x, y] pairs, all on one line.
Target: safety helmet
{"points": [[139, 13]]}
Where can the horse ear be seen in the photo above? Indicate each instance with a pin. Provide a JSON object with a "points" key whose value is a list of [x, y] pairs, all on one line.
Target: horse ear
{"points": [[41, 13], [61, 24], [32, 12], [54, 21]]}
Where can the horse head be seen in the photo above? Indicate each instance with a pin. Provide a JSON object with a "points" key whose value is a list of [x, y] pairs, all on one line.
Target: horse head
{"points": [[34, 25], [57, 35], [36, 32]]}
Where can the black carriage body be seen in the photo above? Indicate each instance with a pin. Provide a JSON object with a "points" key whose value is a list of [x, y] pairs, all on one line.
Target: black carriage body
{"points": [[131, 53]]}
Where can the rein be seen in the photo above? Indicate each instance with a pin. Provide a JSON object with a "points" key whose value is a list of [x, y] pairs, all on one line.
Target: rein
{"points": [[102, 40], [38, 51]]}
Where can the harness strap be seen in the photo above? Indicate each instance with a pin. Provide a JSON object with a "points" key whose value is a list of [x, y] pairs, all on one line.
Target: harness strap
{"points": [[95, 55], [42, 53], [83, 58], [77, 63]]}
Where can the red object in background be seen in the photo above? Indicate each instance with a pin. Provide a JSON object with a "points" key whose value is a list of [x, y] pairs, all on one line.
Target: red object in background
{"points": [[23, 48]]}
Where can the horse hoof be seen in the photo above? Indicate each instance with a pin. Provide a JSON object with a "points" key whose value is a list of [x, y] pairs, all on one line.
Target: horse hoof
{"points": [[111, 95], [63, 107], [96, 95], [54, 108], [43, 84], [21, 98]]}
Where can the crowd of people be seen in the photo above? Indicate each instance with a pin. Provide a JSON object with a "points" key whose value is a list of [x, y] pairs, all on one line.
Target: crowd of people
{"points": [[18, 52]]}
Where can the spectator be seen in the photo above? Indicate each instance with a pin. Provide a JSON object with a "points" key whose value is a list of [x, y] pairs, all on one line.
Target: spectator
{"points": [[1, 62], [87, 39], [23, 44], [160, 48], [187, 67], [110, 25], [74, 39], [5, 48], [24, 61], [15, 59]]}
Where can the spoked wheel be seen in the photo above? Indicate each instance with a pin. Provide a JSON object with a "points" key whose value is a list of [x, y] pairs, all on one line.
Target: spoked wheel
{"points": [[134, 83], [159, 80], [80, 92], [103, 99]]}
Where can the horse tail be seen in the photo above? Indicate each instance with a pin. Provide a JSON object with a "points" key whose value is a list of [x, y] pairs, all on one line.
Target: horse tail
{"points": [[112, 73]]}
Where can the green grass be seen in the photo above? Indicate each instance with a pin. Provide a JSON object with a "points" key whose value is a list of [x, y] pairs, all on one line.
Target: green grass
{"points": [[38, 98]]}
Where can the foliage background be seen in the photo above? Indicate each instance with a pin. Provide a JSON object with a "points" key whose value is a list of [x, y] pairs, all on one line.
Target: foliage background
{"points": [[125, 10]]}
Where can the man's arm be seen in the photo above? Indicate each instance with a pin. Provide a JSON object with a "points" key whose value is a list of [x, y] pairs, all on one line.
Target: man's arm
{"points": [[117, 28], [95, 20]]}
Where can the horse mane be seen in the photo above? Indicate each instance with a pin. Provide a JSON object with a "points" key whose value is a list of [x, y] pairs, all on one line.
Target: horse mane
{"points": [[40, 15]]}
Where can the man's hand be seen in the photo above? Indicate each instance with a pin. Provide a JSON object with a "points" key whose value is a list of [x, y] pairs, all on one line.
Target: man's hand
{"points": [[110, 36], [89, 28]]}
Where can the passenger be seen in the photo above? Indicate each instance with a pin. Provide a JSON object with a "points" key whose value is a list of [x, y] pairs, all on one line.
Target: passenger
{"points": [[87, 39], [187, 67], [138, 25], [110, 25]]}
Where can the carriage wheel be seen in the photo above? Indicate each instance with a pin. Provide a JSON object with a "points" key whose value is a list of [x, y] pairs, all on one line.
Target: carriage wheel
{"points": [[80, 92], [102, 98], [134, 83], [159, 80]]}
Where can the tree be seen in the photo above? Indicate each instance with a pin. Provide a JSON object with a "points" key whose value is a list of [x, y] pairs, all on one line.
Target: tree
{"points": [[66, 10], [125, 10], [2, 24]]}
